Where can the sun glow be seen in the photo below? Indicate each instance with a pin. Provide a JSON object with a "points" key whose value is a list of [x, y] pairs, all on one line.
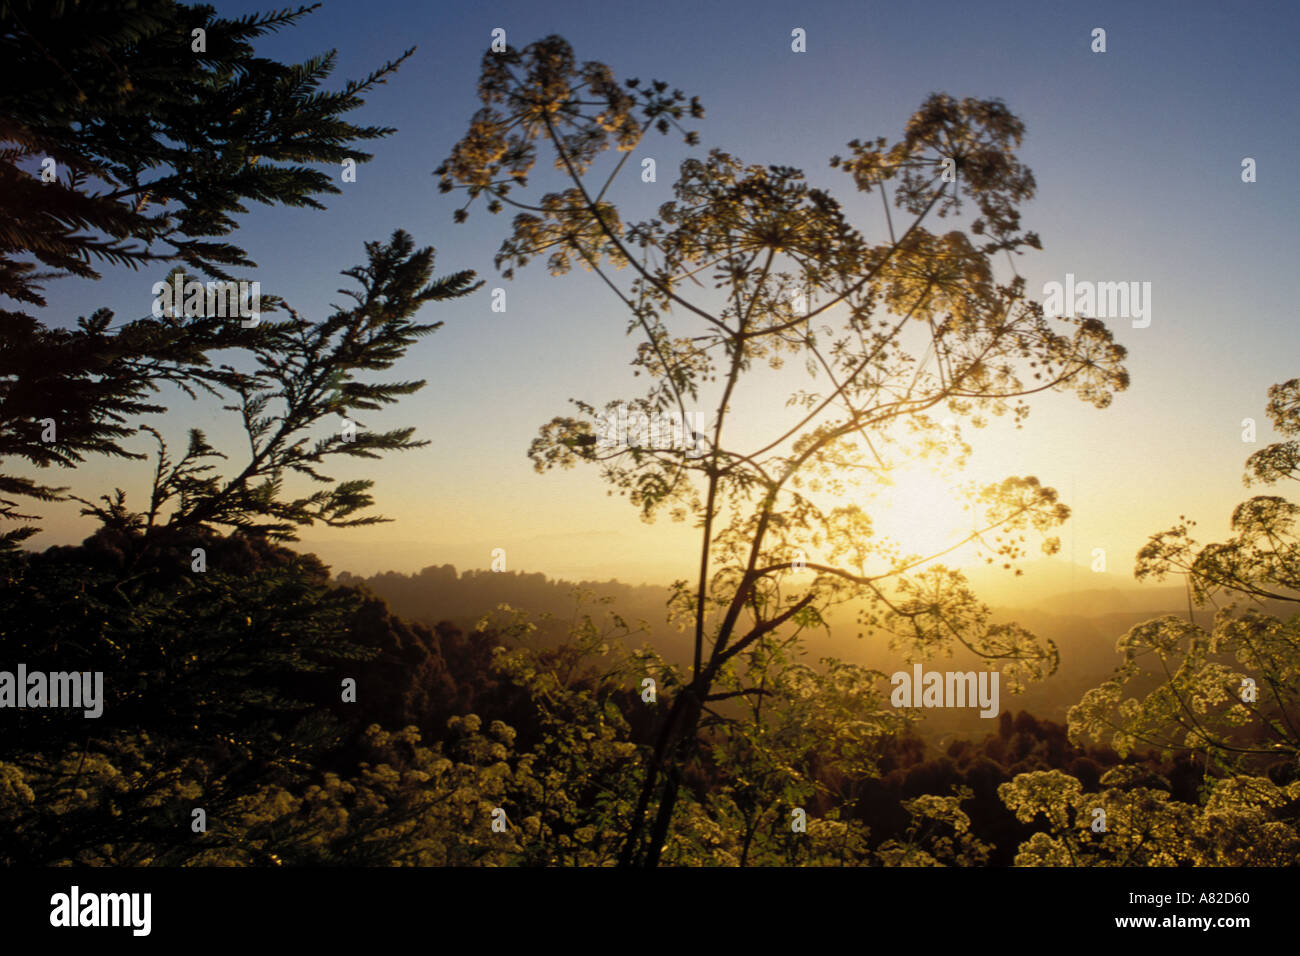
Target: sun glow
{"points": [[924, 512]]}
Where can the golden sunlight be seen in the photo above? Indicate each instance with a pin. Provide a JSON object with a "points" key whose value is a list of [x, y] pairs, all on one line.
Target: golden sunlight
{"points": [[923, 511]]}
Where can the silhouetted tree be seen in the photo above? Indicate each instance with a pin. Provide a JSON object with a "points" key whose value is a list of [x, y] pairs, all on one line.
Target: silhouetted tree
{"points": [[923, 325], [1222, 704], [160, 122], [1230, 694]]}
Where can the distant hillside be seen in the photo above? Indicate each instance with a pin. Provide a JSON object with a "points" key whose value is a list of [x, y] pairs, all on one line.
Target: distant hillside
{"points": [[1085, 624], [439, 593], [1050, 578], [1156, 600]]}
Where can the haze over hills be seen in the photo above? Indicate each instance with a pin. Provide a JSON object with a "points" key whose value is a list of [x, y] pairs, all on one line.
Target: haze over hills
{"points": [[440, 592], [1059, 581], [1084, 622]]}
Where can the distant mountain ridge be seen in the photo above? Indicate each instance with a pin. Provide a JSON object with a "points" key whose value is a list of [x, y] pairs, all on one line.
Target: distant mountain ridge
{"points": [[1085, 624], [440, 593]]}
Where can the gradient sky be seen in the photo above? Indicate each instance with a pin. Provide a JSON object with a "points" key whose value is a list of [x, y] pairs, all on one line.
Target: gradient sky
{"points": [[1137, 156]]}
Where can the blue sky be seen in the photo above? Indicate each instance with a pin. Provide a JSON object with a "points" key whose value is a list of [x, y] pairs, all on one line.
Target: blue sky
{"points": [[1136, 152]]}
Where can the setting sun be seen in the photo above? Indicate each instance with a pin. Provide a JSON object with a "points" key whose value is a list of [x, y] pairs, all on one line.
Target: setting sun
{"points": [[923, 511]]}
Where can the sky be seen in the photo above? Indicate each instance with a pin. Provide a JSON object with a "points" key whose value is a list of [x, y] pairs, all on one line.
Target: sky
{"points": [[1137, 154]]}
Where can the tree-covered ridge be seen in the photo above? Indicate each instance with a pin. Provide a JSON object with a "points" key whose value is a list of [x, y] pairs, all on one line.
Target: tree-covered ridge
{"points": [[234, 707]]}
